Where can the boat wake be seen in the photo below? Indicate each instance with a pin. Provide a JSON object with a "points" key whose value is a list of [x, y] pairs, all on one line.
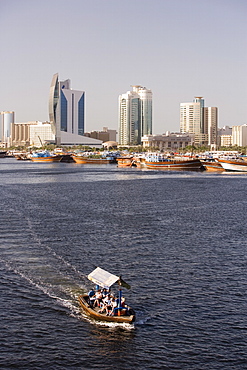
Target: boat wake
{"points": [[26, 255], [64, 295]]}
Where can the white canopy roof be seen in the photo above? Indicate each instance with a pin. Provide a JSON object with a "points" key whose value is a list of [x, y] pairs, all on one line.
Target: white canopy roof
{"points": [[102, 277]]}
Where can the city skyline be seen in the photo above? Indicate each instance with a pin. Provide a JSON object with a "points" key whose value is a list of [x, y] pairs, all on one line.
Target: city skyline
{"points": [[178, 49]]}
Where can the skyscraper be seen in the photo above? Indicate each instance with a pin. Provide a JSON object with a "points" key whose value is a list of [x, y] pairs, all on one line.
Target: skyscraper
{"points": [[135, 115], [200, 121], [211, 124], [191, 116], [66, 109], [7, 119]]}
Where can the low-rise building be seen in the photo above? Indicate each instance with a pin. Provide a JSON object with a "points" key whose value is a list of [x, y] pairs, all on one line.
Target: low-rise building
{"points": [[225, 140], [105, 135], [168, 141], [33, 133], [41, 134]]}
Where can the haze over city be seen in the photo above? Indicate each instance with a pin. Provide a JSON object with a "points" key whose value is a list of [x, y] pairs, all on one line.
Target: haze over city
{"points": [[179, 49]]}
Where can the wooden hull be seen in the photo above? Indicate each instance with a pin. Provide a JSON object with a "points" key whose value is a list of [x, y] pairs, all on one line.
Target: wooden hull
{"points": [[233, 165], [102, 317], [212, 166], [3, 154], [125, 162], [46, 159], [83, 160], [193, 164]]}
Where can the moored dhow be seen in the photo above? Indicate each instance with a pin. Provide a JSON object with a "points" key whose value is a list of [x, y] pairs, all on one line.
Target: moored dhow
{"points": [[161, 162], [238, 164], [45, 156], [94, 158], [212, 165], [83, 159], [127, 161]]}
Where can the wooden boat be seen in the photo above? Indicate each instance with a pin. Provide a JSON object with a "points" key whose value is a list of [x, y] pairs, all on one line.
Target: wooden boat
{"points": [[51, 158], [238, 165], [212, 165], [105, 280], [3, 153], [126, 162], [173, 163], [84, 159], [45, 156]]}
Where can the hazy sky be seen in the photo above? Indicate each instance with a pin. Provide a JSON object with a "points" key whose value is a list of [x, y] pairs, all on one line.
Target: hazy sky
{"points": [[177, 48]]}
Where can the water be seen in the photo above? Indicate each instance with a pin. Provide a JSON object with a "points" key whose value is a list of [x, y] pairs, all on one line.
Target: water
{"points": [[179, 239]]}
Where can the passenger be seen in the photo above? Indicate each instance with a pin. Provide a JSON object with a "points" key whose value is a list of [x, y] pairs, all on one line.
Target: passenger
{"points": [[113, 305], [108, 304], [98, 298], [122, 302], [102, 307], [104, 292], [91, 295]]}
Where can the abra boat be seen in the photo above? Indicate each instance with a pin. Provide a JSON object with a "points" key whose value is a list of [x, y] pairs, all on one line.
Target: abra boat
{"points": [[233, 164], [104, 279], [172, 163]]}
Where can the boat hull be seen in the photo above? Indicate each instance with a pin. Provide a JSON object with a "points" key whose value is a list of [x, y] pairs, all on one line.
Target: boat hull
{"points": [[233, 165], [212, 166], [83, 160], [102, 317], [125, 162], [193, 164], [46, 159], [3, 154]]}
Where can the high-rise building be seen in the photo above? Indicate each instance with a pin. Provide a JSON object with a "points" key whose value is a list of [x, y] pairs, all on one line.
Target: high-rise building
{"points": [[6, 121], [135, 115], [211, 124], [66, 110], [191, 118], [200, 121], [239, 135]]}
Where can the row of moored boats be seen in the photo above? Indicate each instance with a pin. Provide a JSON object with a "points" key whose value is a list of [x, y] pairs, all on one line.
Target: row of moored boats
{"points": [[144, 160]]}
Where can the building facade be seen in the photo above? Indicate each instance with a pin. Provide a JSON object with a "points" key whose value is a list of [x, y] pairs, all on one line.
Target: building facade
{"points": [[32, 133], [41, 134], [225, 136], [168, 141], [135, 115], [239, 135], [104, 135], [225, 140], [199, 120], [66, 111], [210, 122]]}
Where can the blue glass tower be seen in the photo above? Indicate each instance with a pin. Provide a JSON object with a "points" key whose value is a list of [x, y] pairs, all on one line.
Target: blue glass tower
{"points": [[66, 108]]}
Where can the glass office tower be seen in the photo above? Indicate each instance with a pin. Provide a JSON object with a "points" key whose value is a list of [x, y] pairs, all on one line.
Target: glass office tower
{"points": [[135, 115], [66, 108]]}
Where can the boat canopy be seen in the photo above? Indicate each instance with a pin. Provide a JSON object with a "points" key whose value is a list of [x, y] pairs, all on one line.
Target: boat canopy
{"points": [[103, 278]]}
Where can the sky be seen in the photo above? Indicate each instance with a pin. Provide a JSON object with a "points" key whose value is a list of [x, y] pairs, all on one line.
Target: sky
{"points": [[177, 48]]}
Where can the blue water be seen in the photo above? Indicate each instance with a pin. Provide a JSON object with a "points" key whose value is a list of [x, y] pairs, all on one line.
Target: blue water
{"points": [[179, 239]]}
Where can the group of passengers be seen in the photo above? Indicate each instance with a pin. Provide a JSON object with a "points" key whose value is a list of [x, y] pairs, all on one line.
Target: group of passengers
{"points": [[105, 300]]}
